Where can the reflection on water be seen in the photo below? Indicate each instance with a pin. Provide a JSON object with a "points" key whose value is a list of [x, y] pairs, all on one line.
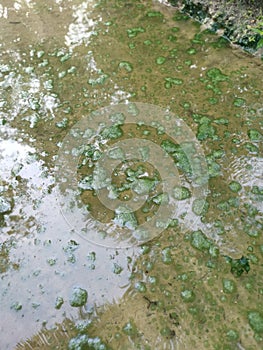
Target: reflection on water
{"points": [[59, 62]]}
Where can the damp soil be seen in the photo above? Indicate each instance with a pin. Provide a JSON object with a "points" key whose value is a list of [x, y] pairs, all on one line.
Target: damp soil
{"points": [[199, 288]]}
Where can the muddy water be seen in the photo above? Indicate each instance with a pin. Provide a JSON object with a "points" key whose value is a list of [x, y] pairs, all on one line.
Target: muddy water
{"points": [[197, 288]]}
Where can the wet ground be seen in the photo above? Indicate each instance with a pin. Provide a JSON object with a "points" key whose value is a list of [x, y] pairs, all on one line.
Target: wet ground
{"points": [[197, 281]]}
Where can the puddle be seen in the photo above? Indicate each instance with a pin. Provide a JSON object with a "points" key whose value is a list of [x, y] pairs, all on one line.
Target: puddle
{"points": [[179, 288]]}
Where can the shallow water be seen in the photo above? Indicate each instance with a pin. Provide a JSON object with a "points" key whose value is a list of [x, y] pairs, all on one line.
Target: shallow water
{"points": [[60, 61]]}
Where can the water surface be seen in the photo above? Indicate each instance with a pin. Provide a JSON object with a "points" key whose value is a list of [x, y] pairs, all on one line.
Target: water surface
{"points": [[59, 62]]}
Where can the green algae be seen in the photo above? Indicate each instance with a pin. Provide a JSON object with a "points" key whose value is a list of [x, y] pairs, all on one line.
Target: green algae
{"points": [[167, 256], [124, 217], [232, 335], [78, 297], [216, 76], [17, 306], [200, 206], [199, 241], [197, 254], [84, 342], [235, 186], [229, 286], [188, 296], [239, 102], [170, 82], [5, 205], [143, 185], [238, 266], [254, 135], [117, 269], [180, 157], [255, 320], [59, 302], [112, 132], [191, 51], [181, 193], [130, 328], [206, 130], [140, 287], [126, 66], [160, 60], [133, 32]]}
